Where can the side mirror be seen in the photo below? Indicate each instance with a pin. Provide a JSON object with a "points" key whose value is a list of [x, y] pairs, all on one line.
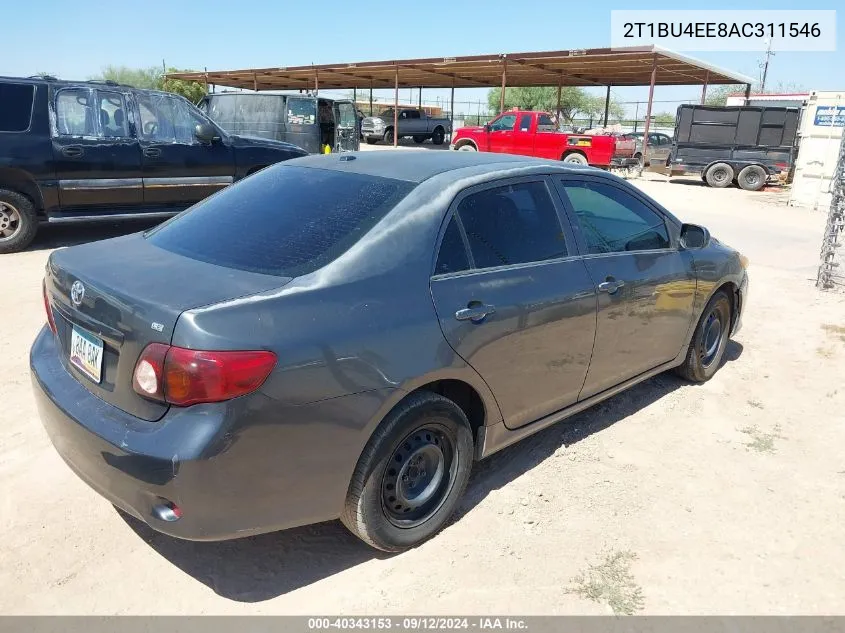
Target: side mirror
{"points": [[206, 133], [694, 236], [486, 127]]}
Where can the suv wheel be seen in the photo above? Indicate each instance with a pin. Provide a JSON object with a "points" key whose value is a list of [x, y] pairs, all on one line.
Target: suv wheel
{"points": [[18, 221]]}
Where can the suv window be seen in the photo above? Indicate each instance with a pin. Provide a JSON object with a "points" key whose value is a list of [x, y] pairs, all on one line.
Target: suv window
{"points": [[167, 119], [504, 122], [112, 111], [513, 224], [285, 221], [16, 108], [74, 114], [613, 220], [524, 122], [452, 257]]}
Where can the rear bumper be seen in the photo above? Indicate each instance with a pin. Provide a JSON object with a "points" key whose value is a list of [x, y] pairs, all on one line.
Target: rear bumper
{"points": [[242, 467]]}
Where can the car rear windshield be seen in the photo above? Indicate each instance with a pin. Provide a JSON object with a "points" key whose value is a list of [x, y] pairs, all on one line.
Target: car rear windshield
{"points": [[16, 106], [285, 220]]}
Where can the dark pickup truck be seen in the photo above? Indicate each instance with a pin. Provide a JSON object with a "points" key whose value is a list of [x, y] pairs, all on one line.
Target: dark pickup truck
{"points": [[88, 151]]}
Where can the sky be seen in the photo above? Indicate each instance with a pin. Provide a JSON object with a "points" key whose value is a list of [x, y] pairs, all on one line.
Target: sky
{"points": [[61, 39]]}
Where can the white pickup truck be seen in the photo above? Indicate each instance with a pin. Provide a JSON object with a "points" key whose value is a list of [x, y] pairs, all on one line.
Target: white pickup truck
{"points": [[412, 122]]}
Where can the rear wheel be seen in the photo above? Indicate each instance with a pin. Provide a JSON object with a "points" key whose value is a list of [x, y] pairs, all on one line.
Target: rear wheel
{"points": [[752, 178], [575, 158], [18, 221], [438, 136], [719, 175], [411, 474], [419, 139], [707, 347]]}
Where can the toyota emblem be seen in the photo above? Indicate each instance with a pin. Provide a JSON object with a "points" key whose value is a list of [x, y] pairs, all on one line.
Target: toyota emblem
{"points": [[77, 293]]}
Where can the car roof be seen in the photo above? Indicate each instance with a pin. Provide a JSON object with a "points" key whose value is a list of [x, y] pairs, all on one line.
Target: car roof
{"points": [[419, 165], [89, 83]]}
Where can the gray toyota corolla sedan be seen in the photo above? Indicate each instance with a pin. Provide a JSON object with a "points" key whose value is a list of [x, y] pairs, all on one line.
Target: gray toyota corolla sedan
{"points": [[341, 337]]}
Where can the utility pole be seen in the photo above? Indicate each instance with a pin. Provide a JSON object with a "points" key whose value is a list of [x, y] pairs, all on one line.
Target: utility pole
{"points": [[769, 53]]}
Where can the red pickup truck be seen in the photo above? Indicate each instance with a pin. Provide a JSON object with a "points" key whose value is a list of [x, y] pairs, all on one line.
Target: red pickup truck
{"points": [[535, 134]]}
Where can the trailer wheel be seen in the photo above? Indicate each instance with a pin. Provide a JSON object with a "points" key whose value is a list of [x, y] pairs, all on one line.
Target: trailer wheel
{"points": [[752, 178], [719, 175]]}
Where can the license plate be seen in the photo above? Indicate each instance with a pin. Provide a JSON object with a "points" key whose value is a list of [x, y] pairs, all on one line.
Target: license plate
{"points": [[86, 353]]}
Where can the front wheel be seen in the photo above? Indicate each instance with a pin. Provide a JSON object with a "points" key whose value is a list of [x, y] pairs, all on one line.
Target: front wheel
{"points": [[467, 147], [388, 137], [709, 341], [411, 474], [18, 221]]}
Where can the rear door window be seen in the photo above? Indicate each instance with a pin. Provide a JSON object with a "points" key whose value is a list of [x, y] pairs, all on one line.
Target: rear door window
{"points": [[113, 122], [285, 221], [513, 224], [16, 106]]}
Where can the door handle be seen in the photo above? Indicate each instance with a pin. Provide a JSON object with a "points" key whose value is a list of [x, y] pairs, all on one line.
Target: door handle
{"points": [[610, 286], [72, 151], [474, 312], [152, 152]]}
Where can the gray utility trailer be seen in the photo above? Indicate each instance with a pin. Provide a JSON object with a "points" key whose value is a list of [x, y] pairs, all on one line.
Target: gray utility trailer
{"points": [[746, 145]]}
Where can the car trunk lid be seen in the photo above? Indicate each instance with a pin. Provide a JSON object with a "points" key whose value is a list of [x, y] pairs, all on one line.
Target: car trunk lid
{"points": [[124, 294]]}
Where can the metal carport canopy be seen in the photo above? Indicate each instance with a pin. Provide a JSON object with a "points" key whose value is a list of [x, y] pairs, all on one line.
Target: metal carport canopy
{"points": [[630, 66]]}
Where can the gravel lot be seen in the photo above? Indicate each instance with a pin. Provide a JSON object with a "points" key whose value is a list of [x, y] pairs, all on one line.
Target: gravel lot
{"points": [[723, 498]]}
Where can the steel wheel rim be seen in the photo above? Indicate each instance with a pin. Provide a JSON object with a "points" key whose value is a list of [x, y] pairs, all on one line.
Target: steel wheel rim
{"points": [[720, 175], [418, 477], [752, 179], [10, 221], [711, 338]]}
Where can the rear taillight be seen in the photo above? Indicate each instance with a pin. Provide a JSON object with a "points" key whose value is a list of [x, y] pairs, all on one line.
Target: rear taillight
{"points": [[50, 321], [184, 377]]}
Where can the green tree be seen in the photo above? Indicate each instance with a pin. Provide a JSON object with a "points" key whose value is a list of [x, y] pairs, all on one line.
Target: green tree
{"points": [[573, 101], [151, 78], [193, 91], [664, 119], [145, 78]]}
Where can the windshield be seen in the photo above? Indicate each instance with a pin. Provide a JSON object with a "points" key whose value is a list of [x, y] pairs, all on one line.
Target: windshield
{"points": [[286, 221]]}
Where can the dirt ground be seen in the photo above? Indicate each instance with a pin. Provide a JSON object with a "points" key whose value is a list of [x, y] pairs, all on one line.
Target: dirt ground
{"points": [[726, 498]]}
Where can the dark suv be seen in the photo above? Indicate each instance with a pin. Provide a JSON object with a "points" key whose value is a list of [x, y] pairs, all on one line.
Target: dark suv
{"points": [[84, 151]]}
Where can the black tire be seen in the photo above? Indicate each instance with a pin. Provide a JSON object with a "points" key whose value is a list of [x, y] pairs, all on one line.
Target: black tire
{"points": [[372, 141], [752, 178], [467, 147], [438, 136], [422, 427], [419, 139], [720, 175], [709, 341], [576, 158], [388, 136], [18, 221]]}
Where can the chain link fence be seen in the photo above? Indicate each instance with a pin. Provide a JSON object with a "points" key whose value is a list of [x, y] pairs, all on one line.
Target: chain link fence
{"points": [[831, 274]]}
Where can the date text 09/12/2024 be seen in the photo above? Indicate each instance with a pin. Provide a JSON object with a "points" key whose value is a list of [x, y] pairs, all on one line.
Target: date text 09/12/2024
{"points": [[416, 623]]}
